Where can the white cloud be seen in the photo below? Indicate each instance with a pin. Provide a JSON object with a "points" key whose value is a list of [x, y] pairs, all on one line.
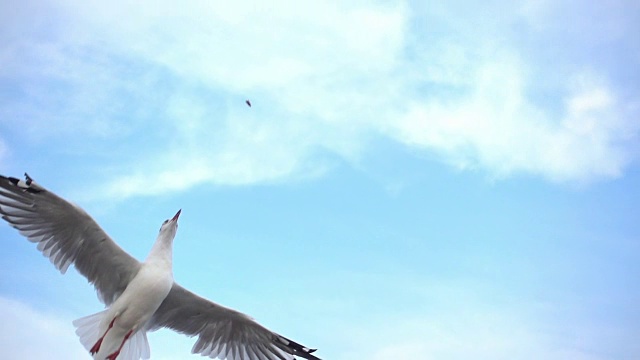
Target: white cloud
{"points": [[324, 77], [27, 333], [489, 336], [496, 127], [302, 62], [453, 320]]}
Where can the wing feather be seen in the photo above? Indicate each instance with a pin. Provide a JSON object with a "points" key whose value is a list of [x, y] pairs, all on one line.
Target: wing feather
{"points": [[223, 332], [67, 235]]}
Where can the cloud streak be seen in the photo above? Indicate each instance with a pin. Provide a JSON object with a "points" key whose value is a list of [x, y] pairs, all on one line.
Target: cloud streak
{"points": [[28, 333], [460, 320], [496, 127], [325, 78]]}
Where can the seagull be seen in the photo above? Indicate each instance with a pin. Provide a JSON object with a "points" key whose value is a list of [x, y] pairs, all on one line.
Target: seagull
{"points": [[139, 296]]}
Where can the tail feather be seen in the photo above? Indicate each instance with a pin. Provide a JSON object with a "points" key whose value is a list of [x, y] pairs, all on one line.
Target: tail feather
{"points": [[137, 347], [87, 328]]}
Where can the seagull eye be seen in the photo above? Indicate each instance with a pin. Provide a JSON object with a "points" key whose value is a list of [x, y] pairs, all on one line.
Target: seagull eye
{"points": [[163, 224]]}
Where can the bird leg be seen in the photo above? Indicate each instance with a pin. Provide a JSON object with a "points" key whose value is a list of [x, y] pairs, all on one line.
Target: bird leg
{"points": [[96, 347], [115, 354]]}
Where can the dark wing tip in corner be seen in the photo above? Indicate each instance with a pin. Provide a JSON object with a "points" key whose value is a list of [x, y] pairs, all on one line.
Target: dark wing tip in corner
{"points": [[28, 185], [297, 349], [13, 180], [29, 179]]}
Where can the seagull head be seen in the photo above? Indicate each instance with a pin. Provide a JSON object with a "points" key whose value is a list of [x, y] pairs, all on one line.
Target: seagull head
{"points": [[170, 226]]}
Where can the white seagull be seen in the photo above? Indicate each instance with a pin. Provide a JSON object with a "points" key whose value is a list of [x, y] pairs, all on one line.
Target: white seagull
{"points": [[139, 297]]}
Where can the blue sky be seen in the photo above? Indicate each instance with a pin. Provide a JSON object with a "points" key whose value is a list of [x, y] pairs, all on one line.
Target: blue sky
{"points": [[446, 180]]}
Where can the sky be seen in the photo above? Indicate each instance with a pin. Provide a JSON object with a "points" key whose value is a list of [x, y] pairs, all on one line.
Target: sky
{"points": [[425, 180]]}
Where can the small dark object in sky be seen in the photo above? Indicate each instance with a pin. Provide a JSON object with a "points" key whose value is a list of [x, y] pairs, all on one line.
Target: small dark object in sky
{"points": [[248, 102]]}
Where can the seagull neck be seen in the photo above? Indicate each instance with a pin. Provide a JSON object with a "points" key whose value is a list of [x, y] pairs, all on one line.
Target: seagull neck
{"points": [[162, 250]]}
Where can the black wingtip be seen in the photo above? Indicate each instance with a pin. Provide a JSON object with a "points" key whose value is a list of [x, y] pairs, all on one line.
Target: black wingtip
{"points": [[296, 349], [28, 185], [13, 180]]}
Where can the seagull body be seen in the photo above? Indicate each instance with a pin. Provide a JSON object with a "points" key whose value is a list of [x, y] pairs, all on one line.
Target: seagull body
{"points": [[128, 313], [139, 297]]}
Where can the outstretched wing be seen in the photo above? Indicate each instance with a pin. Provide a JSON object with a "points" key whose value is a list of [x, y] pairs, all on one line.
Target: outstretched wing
{"points": [[222, 332], [67, 235]]}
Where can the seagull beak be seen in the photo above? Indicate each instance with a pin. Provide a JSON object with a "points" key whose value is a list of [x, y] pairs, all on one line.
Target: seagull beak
{"points": [[175, 218]]}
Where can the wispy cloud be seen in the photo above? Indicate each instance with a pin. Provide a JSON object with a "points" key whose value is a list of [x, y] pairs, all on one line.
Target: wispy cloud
{"points": [[455, 321], [496, 127], [28, 333], [482, 92], [489, 336]]}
